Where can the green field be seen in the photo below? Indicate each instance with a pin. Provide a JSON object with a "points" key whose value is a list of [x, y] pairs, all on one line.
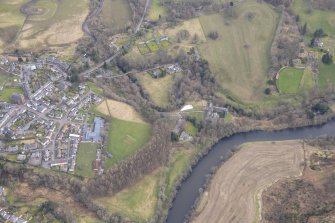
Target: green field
{"points": [[85, 156], [95, 88], [157, 88], [6, 93], [116, 14], [315, 18], [125, 139], [289, 80], [190, 129], [156, 10], [326, 76], [240, 56], [143, 48], [136, 203], [308, 80], [153, 46]]}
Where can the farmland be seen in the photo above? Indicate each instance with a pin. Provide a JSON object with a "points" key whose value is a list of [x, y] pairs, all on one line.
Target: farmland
{"points": [[158, 89], [33, 25], [136, 203], [239, 182], [240, 56], [289, 80], [125, 138], [119, 110], [86, 155], [116, 14]]}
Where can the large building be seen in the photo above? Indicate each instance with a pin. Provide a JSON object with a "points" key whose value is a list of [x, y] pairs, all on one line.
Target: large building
{"points": [[95, 135]]}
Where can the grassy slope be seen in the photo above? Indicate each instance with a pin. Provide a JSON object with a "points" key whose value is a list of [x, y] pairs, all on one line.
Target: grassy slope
{"points": [[326, 76], [158, 89], [116, 14], [10, 13], [137, 202], [85, 156], [289, 80], [316, 19], [241, 71], [155, 10], [125, 138]]}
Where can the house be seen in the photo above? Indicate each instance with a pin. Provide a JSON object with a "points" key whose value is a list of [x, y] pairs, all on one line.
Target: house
{"points": [[185, 137], [173, 69], [21, 157], [316, 42], [17, 99]]}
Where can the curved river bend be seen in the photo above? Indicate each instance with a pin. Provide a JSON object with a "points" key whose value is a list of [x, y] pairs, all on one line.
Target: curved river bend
{"points": [[189, 190]]}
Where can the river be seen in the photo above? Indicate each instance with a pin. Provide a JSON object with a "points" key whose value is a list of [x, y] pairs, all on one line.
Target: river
{"points": [[189, 189]]}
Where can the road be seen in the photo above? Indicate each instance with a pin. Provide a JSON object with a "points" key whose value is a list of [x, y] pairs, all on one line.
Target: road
{"points": [[119, 51]]}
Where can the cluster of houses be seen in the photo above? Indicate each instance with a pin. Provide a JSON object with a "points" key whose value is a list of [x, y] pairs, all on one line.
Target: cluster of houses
{"points": [[214, 113], [167, 69]]}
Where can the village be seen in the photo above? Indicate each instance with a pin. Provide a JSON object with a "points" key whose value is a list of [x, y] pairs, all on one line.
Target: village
{"points": [[46, 118]]}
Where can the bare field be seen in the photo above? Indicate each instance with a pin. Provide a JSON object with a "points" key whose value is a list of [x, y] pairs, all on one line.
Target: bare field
{"points": [[239, 183], [120, 111]]}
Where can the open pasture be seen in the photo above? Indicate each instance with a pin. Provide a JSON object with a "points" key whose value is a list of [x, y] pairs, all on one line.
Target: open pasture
{"points": [[158, 89], [85, 156], [52, 23], [136, 203], [289, 80], [239, 182], [125, 138], [116, 14], [240, 56]]}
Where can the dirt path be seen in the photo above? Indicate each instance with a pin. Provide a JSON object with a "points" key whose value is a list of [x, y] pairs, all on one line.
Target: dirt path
{"points": [[236, 188]]}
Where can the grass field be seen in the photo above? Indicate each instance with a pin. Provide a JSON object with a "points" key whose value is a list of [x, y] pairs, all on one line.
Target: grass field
{"points": [[120, 111], [156, 10], [289, 80], [125, 139], [136, 203], [240, 56], [238, 184], [158, 89], [316, 18], [190, 129], [308, 80], [143, 48], [58, 24], [85, 156], [116, 14], [326, 76], [6, 93], [95, 88]]}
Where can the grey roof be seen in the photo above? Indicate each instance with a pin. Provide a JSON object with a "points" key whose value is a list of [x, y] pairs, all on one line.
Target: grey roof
{"points": [[95, 135]]}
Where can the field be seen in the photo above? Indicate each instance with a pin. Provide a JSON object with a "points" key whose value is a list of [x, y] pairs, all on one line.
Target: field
{"points": [[239, 183], [240, 56], [289, 80], [116, 14], [125, 138], [156, 10], [136, 203], [40, 24], [85, 156], [316, 18], [326, 76], [158, 89], [193, 26], [119, 110]]}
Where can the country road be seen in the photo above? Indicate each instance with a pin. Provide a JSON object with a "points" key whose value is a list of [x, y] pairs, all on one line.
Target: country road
{"points": [[118, 52]]}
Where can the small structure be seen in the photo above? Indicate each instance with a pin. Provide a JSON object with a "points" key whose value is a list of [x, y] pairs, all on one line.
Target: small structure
{"points": [[186, 108], [21, 157], [185, 137], [17, 99]]}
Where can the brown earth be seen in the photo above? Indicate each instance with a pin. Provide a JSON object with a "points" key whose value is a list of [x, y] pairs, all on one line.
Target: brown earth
{"points": [[235, 191]]}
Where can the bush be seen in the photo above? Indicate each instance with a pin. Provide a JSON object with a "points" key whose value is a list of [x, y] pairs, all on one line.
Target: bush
{"points": [[213, 35], [327, 58]]}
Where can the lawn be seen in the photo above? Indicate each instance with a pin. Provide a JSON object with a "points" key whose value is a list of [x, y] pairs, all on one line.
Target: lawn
{"points": [[190, 129], [95, 88], [316, 19], [326, 76], [240, 57], [156, 10], [158, 89], [6, 93], [136, 203], [153, 46], [125, 139], [116, 14], [308, 80], [289, 80], [85, 156]]}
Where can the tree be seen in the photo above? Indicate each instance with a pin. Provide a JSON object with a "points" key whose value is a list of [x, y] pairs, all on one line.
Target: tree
{"points": [[319, 33], [327, 58], [213, 35], [304, 29], [195, 39], [268, 91]]}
